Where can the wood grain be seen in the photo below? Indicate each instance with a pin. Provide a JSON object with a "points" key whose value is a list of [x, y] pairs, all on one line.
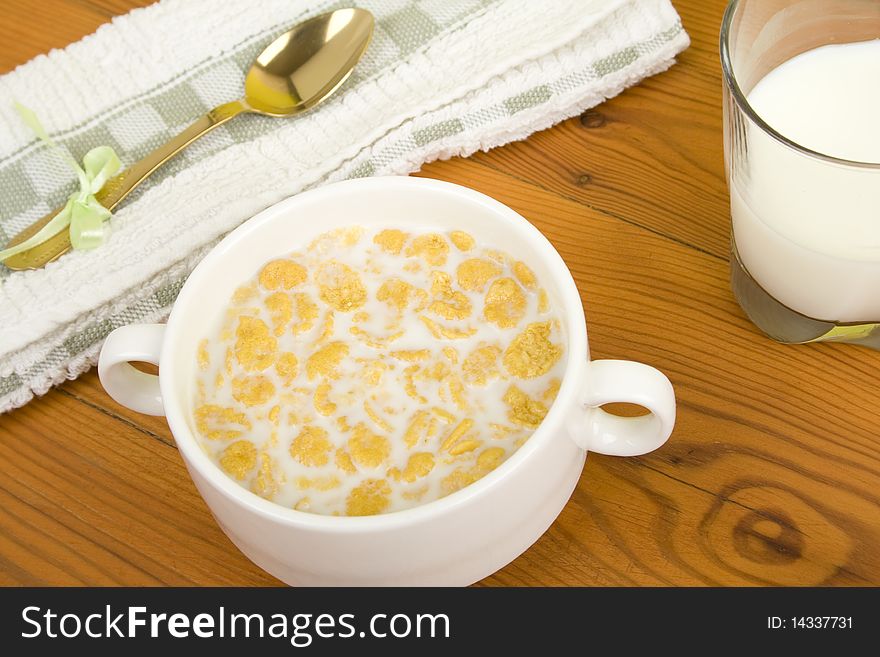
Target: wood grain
{"points": [[29, 28], [772, 476], [652, 156], [90, 500]]}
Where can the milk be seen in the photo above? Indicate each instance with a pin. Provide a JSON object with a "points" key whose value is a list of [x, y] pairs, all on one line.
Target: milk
{"points": [[808, 231], [375, 371]]}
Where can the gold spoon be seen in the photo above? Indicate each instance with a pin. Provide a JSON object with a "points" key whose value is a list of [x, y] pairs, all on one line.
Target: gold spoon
{"points": [[294, 73]]}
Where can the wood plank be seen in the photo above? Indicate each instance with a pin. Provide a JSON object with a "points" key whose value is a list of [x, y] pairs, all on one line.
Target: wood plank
{"points": [[671, 533], [749, 428], [32, 28], [651, 156], [86, 499], [111, 8], [87, 389]]}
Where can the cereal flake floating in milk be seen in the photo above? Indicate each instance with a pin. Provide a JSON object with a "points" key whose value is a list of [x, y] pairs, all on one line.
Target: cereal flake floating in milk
{"points": [[376, 371]]}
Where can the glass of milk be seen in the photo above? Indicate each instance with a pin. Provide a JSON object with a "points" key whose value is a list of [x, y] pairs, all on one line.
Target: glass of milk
{"points": [[802, 154]]}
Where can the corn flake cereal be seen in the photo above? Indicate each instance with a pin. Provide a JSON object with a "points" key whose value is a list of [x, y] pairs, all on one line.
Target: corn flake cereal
{"points": [[340, 286], [266, 482], [368, 449], [391, 240], [419, 465], [481, 365], [252, 390], [238, 459], [473, 274], [220, 422], [280, 307], [523, 409], [306, 312], [397, 293], [524, 275], [462, 240], [505, 303], [287, 367], [376, 370], [282, 275], [368, 498], [431, 248], [325, 361], [311, 447], [255, 348], [531, 353]]}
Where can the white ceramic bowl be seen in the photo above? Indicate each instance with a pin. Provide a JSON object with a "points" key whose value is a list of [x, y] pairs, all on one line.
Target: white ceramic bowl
{"points": [[458, 539]]}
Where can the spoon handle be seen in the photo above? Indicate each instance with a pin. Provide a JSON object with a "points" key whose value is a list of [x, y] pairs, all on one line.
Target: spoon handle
{"points": [[118, 187]]}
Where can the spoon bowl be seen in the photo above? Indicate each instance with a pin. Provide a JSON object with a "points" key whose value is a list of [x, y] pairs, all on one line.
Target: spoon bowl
{"points": [[306, 64]]}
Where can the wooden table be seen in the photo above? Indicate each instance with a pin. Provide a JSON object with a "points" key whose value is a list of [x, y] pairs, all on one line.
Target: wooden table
{"points": [[771, 477]]}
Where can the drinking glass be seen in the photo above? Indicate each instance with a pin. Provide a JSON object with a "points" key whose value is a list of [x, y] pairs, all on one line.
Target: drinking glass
{"points": [[792, 288]]}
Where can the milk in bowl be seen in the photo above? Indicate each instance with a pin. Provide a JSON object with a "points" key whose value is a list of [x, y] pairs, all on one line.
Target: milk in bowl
{"points": [[376, 370]]}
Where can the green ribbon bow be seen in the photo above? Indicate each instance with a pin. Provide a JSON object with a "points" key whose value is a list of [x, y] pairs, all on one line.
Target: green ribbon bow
{"points": [[82, 213]]}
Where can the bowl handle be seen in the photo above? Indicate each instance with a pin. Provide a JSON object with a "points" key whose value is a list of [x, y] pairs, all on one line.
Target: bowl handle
{"points": [[130, 387], [610, 381]]}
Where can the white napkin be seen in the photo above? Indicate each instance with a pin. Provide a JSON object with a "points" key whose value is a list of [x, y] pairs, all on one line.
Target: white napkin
{"points": [[441, 78]]}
